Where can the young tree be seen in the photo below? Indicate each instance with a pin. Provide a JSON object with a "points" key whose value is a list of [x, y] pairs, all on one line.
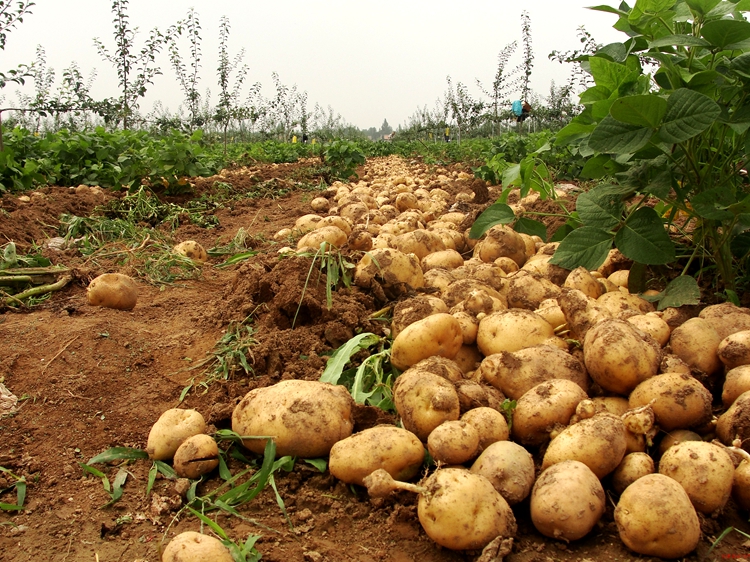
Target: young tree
{"points": [[135, 69], [528, 55], [10, 17], [229, 108], [503, 84], [188, 79], [465, 110]]}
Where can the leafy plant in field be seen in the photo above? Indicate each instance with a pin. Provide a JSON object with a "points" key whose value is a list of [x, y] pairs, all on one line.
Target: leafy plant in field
{"points": [[370, 383], [466, 111], [19, 485], [343, 157], [135, 69], [188, 78], [24, 280], [10, 16], [528, 55], [229, 107]]}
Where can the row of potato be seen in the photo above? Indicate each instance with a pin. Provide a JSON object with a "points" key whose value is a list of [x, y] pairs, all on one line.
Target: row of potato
{"points": [[597, 374]]}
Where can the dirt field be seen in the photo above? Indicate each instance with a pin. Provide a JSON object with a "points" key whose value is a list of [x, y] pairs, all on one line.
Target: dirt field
{"points": [[90, 379]]}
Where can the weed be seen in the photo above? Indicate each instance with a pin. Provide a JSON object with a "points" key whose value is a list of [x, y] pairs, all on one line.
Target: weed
{"points": [[19, 485]]}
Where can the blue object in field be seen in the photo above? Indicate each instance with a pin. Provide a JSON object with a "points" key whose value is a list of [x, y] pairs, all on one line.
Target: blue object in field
{"points": [[517, 108]]}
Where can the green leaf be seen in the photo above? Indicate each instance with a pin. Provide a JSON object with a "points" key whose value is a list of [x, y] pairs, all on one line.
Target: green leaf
{"points": [[210, 522], [531, 227], [573, 131], [608, 9], [586, 246], [151, 478], [702, 7], [712, 204], [741, 65], [613, 136], [743, 6], [320, 464], [600, 209], [498, 213], [610, 74], [119, 453], [644, 111], [680, 291], [725, 32], [678, 41], [338, 360], [689, 113], [644, 239]]}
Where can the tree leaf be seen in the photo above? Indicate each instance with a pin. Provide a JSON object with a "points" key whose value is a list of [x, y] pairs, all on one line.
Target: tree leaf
{"points": [[643, 238], [613, 136], [600, 209], [678, 41], [644, 111], [689, 113], [498, 213], [586, 246], [724, 32]]}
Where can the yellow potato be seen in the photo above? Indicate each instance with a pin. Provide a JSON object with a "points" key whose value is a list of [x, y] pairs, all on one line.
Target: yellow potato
{"points": [[511, 330], [679, 400], [196, 547], [510, 469], [113, 290], [424, 401], [191, 249], [198, 455], [331, 234], [171, 429], [438, 334]]}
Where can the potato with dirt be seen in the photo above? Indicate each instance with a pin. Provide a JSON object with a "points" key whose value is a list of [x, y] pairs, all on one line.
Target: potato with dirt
{"points": [[633, 466], [736, 382], [735, 422], [667, 528], [567, 501], [388, 267], [510, 469], [424, 401], [304, 418], [453, 442], [696, 342], [679, 401], [544, 407], [171, 430], [734, 350], [512, 330], [619, 357], [438, 334], [191, 249], [391, 448], [113, 290], [191, 546], [198, 455], [501, 241], [411, 310]]}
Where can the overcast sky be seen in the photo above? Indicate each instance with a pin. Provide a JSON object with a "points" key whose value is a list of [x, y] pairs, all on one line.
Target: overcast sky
{"points": [[369, 60]]}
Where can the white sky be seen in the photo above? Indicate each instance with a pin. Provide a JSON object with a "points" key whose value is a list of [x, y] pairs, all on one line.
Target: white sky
{"points": [[369, 60]]}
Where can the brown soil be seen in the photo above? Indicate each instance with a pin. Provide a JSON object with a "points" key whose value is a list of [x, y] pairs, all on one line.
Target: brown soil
{"points": [[90, 379]]}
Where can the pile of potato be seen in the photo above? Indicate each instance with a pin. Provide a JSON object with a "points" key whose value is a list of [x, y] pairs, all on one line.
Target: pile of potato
{"points": [[610, 393]]}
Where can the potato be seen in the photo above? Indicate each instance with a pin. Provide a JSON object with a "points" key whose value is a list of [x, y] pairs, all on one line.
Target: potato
{"points": [[581, 312], [191, 249], [726, 318], [680, 400], [441, 366], [653, 326], [424, 401], [696, 343], [539, 265], [171, 429], [438, 334], [462, 511], [446, 259], [733, 424], [195, 547], [460, 289], [198, 455], [391, 448], [416, 308], [736, 382], [388, 267], [621, 305], [582, 280], [597, 442], [741, 485], [675, 437], [472, 395], [307, 223], [501, 241], [360, 240], [511, 330], [305, 418], [320, 204], [528, 290], [419, 242], [734, 350], [540, 409], [633, 466], [510, 469], [113, 290], [514, 374], [618, 356], [453, 442], [490, 424], [667, 528], [438, 278], [567, 501], [705, 471], [333, 235], [335, 220]]}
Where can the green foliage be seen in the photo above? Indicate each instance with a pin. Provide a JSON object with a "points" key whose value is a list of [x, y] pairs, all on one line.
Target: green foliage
{"points": [[11, 16], [19, 485], [343, 157], [679, 137]]}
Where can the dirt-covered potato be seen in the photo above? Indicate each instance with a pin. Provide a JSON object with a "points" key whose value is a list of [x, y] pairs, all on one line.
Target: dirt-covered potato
{"points": [[510, 469], [388, 267], [736, 382], [306, 223], [621, 305], [515, 373], [196, 547], [619, 357], [331, 234], [653, 326], [726, 318], [420, 242], [597, 442], [446, 259], [453, 442], [462, 511], [304, 418], [191, 249], [581, 312], [438, 334], [501, 241], [632, 467], [527, 290], [460, 289], [542, 408], [741, 485], [198, 455], [424, 401], [696, 342], [413, 309], [567, 501], [489, 423], [733, 424], [734, 350], [680, 401], [391, 448], [582, 280], [113, 290], [172, 428], [675, 437], [668, 528], [512, 330], [705, 471]]}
